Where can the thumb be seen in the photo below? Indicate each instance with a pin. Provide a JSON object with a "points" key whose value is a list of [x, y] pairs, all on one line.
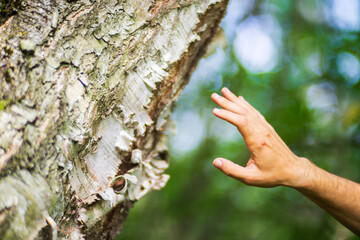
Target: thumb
{"points": [[231, 169]]}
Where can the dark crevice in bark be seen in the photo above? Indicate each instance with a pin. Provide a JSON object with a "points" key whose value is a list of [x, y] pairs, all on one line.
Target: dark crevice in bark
{"points": [[113, 223], [9, 8], [189, 61]]}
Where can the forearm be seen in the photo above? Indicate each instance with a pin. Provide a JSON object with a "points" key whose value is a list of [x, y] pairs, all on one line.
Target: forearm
{"points": [[338, 196]]}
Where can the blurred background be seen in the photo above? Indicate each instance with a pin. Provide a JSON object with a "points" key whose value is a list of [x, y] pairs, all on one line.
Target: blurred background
{"points": [[298, 63]]}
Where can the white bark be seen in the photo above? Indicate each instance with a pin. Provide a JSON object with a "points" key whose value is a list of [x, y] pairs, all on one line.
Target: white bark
{"points": [[86, 92]]}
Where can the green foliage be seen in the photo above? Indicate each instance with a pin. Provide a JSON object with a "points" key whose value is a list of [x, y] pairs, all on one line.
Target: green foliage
{"points": [[3, 104], [311, 97]]}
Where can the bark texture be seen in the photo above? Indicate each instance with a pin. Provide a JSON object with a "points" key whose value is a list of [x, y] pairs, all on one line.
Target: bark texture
{"points": [[86, 92]]}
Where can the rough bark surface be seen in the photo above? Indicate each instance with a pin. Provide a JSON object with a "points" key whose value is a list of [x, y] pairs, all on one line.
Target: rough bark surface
{"points": [[86, 91]]}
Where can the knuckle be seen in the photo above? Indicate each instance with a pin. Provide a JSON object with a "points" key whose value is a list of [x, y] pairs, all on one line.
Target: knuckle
{"points": [[245, 121], [242, 121]]}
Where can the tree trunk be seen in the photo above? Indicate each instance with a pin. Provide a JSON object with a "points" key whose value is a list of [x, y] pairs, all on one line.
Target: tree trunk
{"points": [[86, 91]]}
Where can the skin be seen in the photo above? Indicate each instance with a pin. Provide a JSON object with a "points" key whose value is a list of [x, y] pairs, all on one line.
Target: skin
{"points": [[273, 164]]}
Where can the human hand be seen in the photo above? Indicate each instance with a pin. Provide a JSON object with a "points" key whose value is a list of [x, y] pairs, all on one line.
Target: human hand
{"points": [[271, 163]]}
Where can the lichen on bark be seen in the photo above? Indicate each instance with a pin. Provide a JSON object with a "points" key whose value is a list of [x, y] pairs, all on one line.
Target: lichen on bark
{"points": [[86, 87]]}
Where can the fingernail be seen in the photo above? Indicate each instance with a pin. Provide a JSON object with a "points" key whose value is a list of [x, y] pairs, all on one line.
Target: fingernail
{"points": [[226, 89], [216, 110], [242, 98], [215, 95], [217, 163]]}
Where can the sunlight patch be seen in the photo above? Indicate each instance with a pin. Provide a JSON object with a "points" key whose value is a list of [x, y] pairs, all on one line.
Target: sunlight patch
{"points": [[255, 44]]}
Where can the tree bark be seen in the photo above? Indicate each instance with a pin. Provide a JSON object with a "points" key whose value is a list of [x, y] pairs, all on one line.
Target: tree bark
{"points": [[87, 88]]}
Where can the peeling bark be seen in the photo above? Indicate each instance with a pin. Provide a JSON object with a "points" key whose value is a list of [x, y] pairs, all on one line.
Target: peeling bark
{"points": [[86, 92]]}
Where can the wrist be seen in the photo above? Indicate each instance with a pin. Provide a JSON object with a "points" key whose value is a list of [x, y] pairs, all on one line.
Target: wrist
{"points": [[302, 175]]}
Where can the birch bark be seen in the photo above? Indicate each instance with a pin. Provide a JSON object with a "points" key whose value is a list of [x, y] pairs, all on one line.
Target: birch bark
{"points": [[87, 88]]}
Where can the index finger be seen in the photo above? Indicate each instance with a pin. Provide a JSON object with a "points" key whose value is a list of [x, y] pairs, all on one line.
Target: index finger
{"points": [[241, 121]]}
